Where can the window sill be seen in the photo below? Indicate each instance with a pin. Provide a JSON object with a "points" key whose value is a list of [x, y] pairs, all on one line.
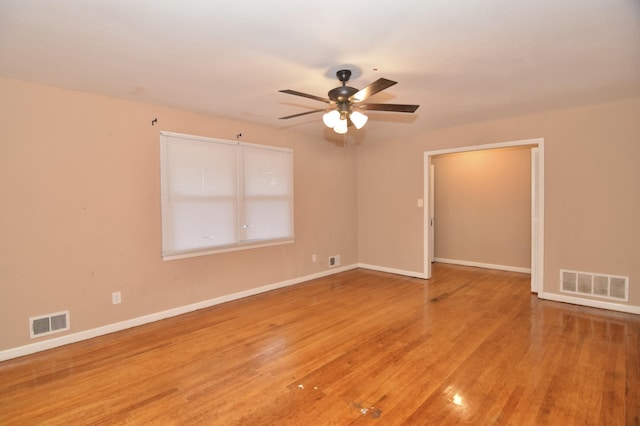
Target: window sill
{"points": [[209, 251]]}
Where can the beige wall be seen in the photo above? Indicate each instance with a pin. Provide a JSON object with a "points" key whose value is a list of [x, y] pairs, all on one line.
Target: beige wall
{"points": [[81, 211], [483, 206], [592, 200]]}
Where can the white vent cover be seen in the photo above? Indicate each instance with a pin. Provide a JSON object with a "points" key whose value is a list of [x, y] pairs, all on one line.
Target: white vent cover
{"points": [[596, 285], [48, 324]]}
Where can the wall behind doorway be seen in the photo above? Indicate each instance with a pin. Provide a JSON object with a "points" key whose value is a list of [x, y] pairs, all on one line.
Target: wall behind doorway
{"points": [[483, 207]]}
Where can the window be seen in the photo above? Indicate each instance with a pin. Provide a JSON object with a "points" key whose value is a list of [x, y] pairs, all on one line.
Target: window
{"points": [[222, 195]]}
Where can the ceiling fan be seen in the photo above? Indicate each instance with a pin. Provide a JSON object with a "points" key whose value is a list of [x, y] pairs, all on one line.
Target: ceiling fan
{"points": [[345, 102]]}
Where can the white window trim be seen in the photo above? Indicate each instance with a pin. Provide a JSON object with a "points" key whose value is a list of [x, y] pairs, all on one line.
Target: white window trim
{"points": [[228, 249], [238, 245]]}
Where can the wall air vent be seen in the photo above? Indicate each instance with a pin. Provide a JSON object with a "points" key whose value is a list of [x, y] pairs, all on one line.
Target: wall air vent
{"points": [[49, 324], [595, 285]]}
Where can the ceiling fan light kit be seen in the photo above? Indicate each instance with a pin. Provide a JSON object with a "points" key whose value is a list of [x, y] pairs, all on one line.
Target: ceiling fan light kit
{"points": [[358, 119], [343, 99], [331, 118], [342, 126]]}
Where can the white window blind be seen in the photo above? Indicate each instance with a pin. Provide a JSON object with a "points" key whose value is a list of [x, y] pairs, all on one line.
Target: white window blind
{"points": [[222, 195]]}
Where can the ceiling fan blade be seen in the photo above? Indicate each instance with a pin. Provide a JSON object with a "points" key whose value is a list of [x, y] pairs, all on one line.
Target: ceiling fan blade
{"points": [[306, 95], [389, 107], [302, 113], [375, 87]]}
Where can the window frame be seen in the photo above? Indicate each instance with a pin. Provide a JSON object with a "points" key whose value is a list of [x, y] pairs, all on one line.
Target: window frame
{"points": [[239, 200]]}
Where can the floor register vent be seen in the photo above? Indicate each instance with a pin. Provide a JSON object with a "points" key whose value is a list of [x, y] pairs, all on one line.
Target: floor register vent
{"points": [[49, 324], [595, 285]]}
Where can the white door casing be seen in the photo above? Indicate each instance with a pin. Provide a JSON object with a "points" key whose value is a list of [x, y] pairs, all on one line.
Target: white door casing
{"points": [[537, 205]]}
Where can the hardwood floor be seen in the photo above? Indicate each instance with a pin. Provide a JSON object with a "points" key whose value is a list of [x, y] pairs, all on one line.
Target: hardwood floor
{"points": [[469, 346]]}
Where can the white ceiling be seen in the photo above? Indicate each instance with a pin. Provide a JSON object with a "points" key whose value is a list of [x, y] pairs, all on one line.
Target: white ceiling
{"points": [[462, 61]]}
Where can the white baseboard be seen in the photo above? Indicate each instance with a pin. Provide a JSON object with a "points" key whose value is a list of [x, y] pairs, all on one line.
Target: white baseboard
{"points": [[145, 319], [134, 322], [590, 303], [484, 265], [393, 270]]}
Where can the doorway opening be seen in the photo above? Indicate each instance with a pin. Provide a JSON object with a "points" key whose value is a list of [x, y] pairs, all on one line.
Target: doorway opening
{"points": [[537, 203]]}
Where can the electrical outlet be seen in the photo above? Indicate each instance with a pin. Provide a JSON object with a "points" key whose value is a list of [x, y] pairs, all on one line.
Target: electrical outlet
{"points": [[116, 298], [314, 258]]}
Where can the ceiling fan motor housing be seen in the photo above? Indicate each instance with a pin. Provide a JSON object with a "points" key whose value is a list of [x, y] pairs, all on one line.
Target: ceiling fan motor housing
{"points": [[342, 94]]}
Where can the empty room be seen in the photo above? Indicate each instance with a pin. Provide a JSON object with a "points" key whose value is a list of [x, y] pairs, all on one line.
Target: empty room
{"points": [[319, 213]]}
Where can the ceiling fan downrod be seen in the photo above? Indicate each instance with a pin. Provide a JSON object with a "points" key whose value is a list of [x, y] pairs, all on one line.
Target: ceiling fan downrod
{"points": [[341, 94]]}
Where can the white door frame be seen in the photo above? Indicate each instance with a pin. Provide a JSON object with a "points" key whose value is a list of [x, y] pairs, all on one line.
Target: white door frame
{"points": [[537, 238], [535, 212], [431, 212]]}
